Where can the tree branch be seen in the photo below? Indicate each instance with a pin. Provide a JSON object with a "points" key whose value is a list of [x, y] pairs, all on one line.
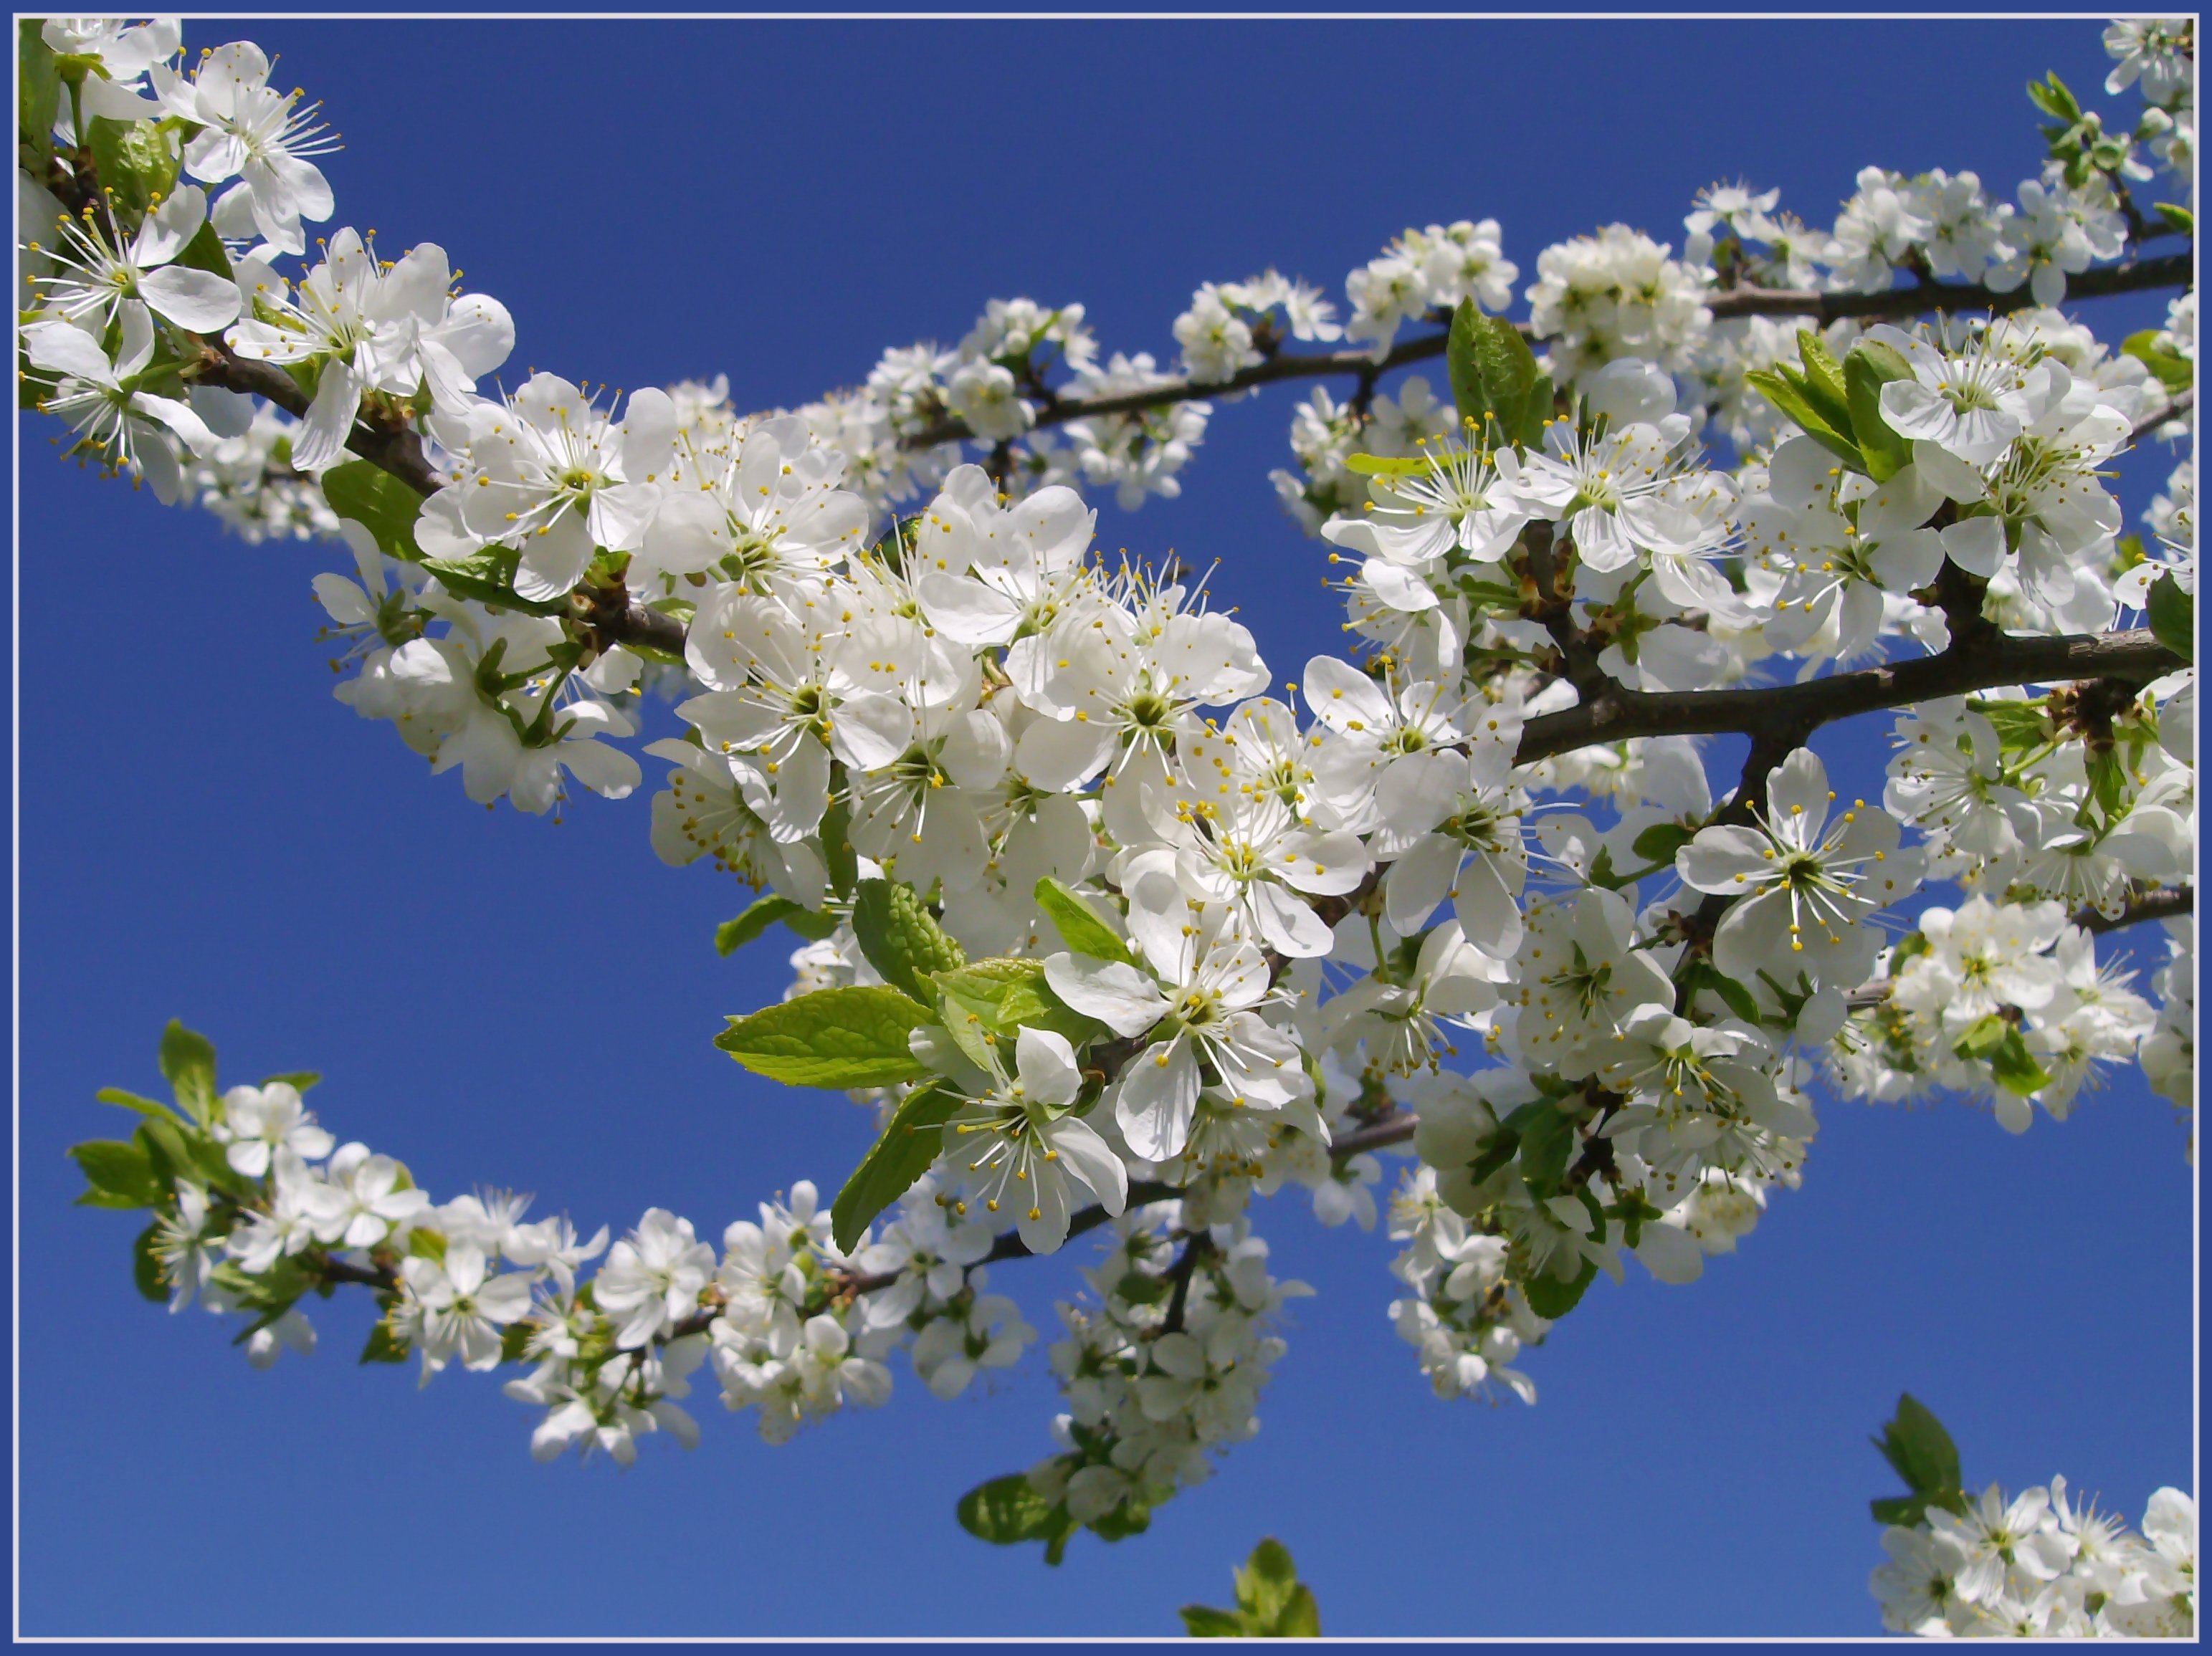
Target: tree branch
{"points": [[2166, 271], [1619, 713], [395, 450], [1392, 1130], [2162, 905], [2179, 404]]}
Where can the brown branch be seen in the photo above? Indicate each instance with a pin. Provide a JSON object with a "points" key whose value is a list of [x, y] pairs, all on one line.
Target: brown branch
{"points": [[1200, 1246], [1392, 1130], [2162, 905], [1619, 713], [2166, 271], [376, 1276], [398, 450], [2179, 404]]}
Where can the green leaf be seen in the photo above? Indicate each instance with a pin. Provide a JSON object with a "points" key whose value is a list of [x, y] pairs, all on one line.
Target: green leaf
{"points": [[853, 1037], [137, 162], [900, 937], [116, 1096], [146, 1265], [1009, 1509], [1078, 925], [1982, 1037], [763, 912], [1795, 406], [1500, 1148], [1116, 1524], [1818, 378], [188, 1065], [909, 1145], [837, 853], [37, 100], [2015, 1066], [1493, 373], [1552, 1299], [383, 1346], [205, 251], [1381, 465], [2177, 216], [1008, 995], [2174, 373], [1547, 1141], [300, 1079], [1603, 873], [2051, 96], [1921, 1452], [1701, 974], [120, 1170], [1205, 1622], [1537, 411], [489, 578], [1273, 1602], [2173, 616], [167, 1152], [1867, 368], [1300, 1618], [1659, 842], [380, 503]]}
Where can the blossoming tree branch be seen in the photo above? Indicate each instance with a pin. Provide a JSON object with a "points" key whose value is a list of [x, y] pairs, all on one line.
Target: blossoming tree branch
{"points": [[1116, 931]]}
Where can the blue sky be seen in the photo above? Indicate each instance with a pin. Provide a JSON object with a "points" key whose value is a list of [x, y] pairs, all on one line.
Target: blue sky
{"points": [[499, 1000]]}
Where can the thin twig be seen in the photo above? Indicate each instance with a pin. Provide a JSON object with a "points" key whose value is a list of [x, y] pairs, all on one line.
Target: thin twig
{"points": [[2166, 271]]}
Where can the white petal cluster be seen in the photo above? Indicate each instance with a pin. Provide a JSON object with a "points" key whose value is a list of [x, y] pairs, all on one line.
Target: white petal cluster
{"points": [[2042, 1565], [1253, 935]]}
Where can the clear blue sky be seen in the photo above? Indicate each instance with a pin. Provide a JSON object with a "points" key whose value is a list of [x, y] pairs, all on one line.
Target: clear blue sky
{"points": [[207, 835]]}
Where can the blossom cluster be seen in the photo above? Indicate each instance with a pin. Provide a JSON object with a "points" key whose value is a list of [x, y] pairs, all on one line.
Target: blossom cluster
{"points": [[2042, 1565], [1106, 924]]}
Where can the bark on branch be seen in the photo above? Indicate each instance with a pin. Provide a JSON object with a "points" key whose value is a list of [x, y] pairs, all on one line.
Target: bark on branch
{"points": [[1619, 712]]}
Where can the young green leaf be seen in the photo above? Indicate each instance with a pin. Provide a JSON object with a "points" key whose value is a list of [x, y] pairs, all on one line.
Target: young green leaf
{"points": [[1493, 372], [188, 1065], [1548, 1142], [380, 503], [383, 1346], [1982, 1037], [138, 163], [146, 1265], [489, 578], [1659, 842], [1008, 995], [123, 1100], [2015, 1066], [1798, 407], [1205, 1622], [853, 1037], [2173, 616], [1921, 1452], [205, 251], [1867, 368], [1008, 1510], [38, 96], [1552, 1299], [909, 1145], [837, 853], [1078, 925], [124, 1172], [900, 937], [2176, 373], [763, 912]]}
